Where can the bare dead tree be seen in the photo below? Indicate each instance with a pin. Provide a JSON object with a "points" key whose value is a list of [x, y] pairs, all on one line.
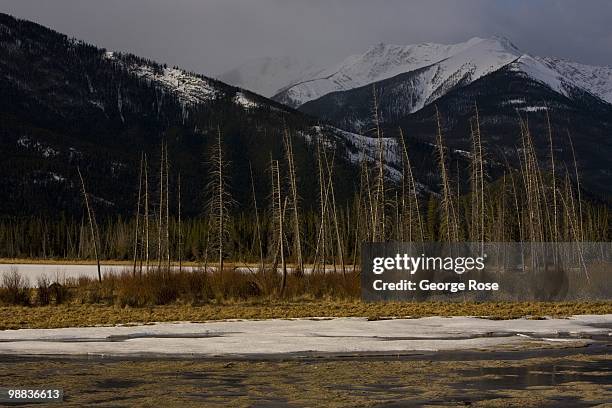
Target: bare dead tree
{"points": [[136, 230], [294, 199], [555, 230], [449, 218], [220, 200], [180, 226], [161, 209], [146, 212], [366, 189], [517, 208], [577, 175], [502, 212], [533, 185], [380, 201], [167, 226], [358, 225], [320, 245], [257, 221], [413, 199], [278, 220], [334, 213], [477, 230], [93, 227]]}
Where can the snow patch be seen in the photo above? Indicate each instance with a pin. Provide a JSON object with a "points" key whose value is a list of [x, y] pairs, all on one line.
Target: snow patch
{"points": [[191, 89], [281, 336], [533, 108], [242, 100]]}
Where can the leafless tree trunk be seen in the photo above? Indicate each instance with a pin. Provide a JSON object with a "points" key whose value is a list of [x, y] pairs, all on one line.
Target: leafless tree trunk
{"points": [[161, 209], [533, 187], [449, 215], [180, 227], [477, 230], [339, 243], [580, 213], [322, 204], [413, 199], [294, 199], [146, 212], [221, 205], [258, 224], [136, 230], [220, 200], [278, 218], [554, 182], [167, 239], [380, 195], [92, 224]]}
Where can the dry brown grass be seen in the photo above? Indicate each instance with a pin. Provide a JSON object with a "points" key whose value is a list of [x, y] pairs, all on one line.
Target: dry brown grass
{"points": [[163, 287], [161, 296], [15, 317]]}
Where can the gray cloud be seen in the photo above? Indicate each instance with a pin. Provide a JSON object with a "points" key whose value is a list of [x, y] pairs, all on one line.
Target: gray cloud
{"points": [[211, 36]]}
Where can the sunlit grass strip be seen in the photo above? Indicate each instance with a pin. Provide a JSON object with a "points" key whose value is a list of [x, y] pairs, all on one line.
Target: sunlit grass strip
{"points": [[15, 317]]}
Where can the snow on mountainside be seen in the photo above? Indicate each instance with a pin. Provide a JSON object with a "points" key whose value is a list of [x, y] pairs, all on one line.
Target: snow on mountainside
{"points": [[445, 63], [596, 80], [537, 69], [563, 76], [191, 89], [267, 76]]}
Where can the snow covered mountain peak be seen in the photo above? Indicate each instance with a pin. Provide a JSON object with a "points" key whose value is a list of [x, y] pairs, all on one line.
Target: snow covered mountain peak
{"points": [[434, 70], [447, 64]]}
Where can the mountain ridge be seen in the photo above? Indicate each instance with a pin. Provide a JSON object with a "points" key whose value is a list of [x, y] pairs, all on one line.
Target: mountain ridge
{"points": [[68, 104], [383, 61]]}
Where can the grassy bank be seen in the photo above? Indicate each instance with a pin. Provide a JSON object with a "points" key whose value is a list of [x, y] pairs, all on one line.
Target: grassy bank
{"points": [[15, 317], [163, 295]]}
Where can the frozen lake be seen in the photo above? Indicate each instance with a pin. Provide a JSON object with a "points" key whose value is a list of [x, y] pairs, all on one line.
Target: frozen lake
{"points": [[60, 272]]}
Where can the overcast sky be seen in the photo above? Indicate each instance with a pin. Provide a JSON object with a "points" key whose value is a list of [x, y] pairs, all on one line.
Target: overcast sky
{"points": [[211, 36]]}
